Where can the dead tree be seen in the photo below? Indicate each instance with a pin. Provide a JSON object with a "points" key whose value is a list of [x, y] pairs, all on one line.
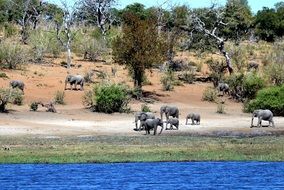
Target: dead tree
{"points": [[64, 27], [101, 10], [198, 25]]}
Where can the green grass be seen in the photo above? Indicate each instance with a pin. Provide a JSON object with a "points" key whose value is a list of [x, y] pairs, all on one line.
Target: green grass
{"points": [[105, 149]]}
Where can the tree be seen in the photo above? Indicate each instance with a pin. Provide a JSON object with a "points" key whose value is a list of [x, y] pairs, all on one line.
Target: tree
{"points": [[209, 23], [238, 17], [99, 12], [139, 47], [64, 28], [26, 13]]}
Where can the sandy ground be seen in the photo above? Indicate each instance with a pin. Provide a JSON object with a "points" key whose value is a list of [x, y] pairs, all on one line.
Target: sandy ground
{"points": [[42, 81]]}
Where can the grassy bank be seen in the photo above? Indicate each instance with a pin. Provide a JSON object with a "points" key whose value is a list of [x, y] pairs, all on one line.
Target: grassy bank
{"points": [[139, 149]]}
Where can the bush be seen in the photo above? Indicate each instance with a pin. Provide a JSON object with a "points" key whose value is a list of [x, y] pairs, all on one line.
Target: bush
{"points": [[59, 97], [3, 75], [39, 42], [88, 76], [274, 69], [14, 96], [107, 98], [221, 108], [269, 98], [34, 106], [217, 69], [210, 94], [168, 80], [12, 55], [251, 84], [145, 108], [245, 86], [187, 77], [17, 97]]}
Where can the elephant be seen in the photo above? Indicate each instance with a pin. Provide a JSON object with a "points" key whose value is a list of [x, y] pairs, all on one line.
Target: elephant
{"points": [[223, 87], [142, 116], [153, 124], [172, 122], [265, 115], [74, 79], [193, 117], [17, 84], [169, 111]]}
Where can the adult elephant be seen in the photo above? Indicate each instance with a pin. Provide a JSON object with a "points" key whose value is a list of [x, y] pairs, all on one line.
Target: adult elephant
{"points": [[265, 115], [169, 111], [74, 80], [223, 87]]}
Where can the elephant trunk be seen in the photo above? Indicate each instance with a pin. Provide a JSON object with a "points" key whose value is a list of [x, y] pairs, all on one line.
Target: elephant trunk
{"points": [[252, 121]]}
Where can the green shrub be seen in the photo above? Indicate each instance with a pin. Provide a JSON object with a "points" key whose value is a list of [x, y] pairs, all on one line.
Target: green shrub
{"points": [[210, 94], [12, 55], [39, 41], [3, 75], [168, 80], [251, 84], [107, 98], [246, 85], [145, 108], [34, 106], [268, 98], [59, 97], [14, 96]]}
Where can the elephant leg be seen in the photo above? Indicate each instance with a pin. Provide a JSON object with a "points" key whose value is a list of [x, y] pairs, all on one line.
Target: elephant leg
{"points": [[272, 122], [186, 121], [155, 129], [192, 121], [259, 122], [162, 127], [171, 126]]}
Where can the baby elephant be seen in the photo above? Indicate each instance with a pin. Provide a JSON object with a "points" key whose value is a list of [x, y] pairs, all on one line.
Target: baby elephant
{"points": [[74, 79], [172, 122], [265, 115], [17, 84], [193, 117], [224, 88], [142, 116], [153, 124]]}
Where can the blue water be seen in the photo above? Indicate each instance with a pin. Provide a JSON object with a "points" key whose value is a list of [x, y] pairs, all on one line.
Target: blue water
{"points": [[166, 175]]}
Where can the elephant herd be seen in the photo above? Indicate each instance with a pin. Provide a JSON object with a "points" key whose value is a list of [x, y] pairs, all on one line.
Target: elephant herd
{"points": [[148, 120]]}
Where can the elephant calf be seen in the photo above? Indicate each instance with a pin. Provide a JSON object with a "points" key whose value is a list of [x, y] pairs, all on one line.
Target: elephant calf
{"points": [[153, 124], [172, 122], [223, 87], [142, 116], [74, 79], [17, 84], [265, 115], [193, 117]]}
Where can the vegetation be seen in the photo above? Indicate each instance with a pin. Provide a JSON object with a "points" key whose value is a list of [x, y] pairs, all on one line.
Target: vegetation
{"points": [[269, 98], [107, 98], [168, 80], [210, 94], [12, 55], [136, 48], [14, 96], [145, 108], [59, 97], [105, 149]]}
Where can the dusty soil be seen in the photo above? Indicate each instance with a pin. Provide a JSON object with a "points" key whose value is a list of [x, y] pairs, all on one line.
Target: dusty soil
{"points": [[42, 81]]}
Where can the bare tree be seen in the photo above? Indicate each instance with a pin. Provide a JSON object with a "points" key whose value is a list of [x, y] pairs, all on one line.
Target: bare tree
{"points": [[197, 24], [64, 29], [101, 10]]}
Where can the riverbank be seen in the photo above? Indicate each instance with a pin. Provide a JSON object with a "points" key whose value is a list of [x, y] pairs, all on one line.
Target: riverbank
{"points": [[109, 149]]}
